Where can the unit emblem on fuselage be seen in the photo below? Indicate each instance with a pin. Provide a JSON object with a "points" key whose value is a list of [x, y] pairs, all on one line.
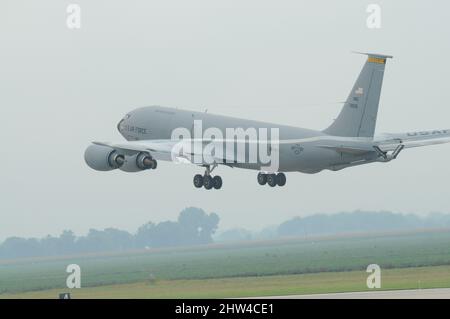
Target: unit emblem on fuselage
{"points": [[297, 149]]}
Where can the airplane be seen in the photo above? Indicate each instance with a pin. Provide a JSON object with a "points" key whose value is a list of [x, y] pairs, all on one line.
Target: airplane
{"points": [[349, 141]]}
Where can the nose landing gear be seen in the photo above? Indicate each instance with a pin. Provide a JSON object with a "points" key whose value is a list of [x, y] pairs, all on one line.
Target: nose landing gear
{"points": [[272, 179]]}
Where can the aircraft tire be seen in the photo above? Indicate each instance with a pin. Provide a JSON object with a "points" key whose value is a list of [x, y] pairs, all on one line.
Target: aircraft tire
{"points": [[208, 182], [262, 178], [281, 179], [198, 181], [217, 182], [272, 180]]}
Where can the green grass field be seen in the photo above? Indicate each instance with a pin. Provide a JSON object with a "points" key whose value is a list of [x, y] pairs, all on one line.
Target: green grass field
{"points": [[264, 268], [326, 282]]}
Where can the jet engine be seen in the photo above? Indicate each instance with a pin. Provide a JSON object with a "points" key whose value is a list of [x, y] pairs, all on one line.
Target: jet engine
{"points": [[103, 158], [138, 162]]}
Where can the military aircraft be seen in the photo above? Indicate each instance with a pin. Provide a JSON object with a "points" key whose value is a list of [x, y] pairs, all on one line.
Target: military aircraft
{"points": [[161, 133]]}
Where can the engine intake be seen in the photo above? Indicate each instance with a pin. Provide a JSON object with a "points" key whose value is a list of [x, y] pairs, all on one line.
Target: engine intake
{"points": [[103, 158]]}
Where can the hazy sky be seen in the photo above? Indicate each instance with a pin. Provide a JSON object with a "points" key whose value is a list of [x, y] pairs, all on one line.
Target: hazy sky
{"points": [[278, 61]]}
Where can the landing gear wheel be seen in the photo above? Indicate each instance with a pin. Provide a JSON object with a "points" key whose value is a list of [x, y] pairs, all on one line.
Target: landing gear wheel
{"points": [[281, 179], [198, 181], [208, 182], [154, 164], [272, 180], [262, 178], [217, 182]]}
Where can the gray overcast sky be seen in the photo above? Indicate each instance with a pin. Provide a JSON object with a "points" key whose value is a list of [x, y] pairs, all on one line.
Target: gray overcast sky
{"points": [[278, 61]]}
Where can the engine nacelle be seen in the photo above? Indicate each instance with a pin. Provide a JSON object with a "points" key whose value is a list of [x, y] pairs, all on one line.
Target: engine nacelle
{"points": [[138, 162], [103, 158]]}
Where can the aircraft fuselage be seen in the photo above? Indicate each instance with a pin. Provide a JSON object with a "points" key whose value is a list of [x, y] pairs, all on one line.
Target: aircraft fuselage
{"points": [[299, 148]]}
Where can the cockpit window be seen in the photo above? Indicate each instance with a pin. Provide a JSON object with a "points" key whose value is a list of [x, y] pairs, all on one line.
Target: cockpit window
{"points": [[119, 125]]}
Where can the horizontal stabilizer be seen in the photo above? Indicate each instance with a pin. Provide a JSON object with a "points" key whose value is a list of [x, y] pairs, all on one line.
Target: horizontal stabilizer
{"points": [[388, 142]]}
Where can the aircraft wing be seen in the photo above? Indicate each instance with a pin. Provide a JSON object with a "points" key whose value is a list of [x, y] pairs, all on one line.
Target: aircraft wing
{"points": [[175, 150], [154, 146]]}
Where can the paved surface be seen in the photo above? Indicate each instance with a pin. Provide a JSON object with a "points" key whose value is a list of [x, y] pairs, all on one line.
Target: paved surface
{"points": [[441, 293]]}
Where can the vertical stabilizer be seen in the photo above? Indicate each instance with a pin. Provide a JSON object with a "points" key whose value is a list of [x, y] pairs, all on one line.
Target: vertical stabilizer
{"points": [[359, 114]]}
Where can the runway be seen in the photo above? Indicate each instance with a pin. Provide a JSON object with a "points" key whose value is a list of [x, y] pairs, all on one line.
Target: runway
{"points": [[439, 293]]}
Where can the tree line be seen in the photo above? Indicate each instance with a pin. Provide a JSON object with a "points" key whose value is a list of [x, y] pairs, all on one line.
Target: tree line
{"points": [[340, 223], [193, 227], [360, 221]]}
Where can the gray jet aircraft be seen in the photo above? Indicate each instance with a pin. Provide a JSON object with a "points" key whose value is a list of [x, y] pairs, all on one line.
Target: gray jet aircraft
{"points": [[160, 133]]}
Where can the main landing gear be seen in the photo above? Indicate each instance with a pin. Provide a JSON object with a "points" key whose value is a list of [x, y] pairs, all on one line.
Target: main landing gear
{"points": [[207, 180], [272, 179]]}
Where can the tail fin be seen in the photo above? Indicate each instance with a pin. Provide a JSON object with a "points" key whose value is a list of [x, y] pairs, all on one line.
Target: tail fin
{"points": [[359, 114]]}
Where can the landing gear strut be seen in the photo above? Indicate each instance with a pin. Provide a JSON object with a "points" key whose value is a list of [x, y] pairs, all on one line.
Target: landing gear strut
{"points": [[207, 180], [272, 179]]}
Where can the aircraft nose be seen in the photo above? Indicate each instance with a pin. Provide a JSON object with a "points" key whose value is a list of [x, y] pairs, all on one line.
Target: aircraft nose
{"points": [[119, 125], [122, 123]]}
